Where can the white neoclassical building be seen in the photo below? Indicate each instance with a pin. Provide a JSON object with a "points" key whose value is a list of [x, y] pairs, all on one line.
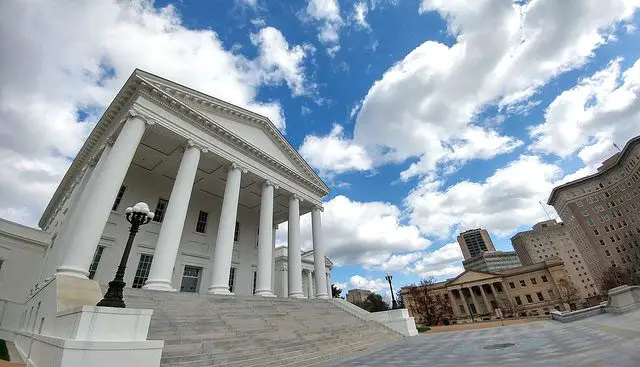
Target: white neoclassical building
{"points": [[219, 178]]}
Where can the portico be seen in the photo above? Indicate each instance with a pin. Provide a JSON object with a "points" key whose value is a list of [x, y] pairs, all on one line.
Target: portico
{"points": [[218, 177]]}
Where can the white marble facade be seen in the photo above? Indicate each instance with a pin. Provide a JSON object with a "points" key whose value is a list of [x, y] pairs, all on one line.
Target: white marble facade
{"points": [[220, 177]]}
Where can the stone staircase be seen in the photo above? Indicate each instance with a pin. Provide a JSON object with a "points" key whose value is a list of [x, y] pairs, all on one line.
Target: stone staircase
{"points": [[205, 330]]}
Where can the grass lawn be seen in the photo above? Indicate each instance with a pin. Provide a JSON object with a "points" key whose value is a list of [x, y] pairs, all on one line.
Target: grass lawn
{"points": [[4, 353], [423, 329]]}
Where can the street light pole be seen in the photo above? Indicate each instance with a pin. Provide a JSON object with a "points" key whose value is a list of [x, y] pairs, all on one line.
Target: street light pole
{"points": [[137, 215], [394, 305]]}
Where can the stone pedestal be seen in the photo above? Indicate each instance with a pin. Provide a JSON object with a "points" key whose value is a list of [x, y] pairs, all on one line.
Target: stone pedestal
{"points": [[623, 299], [397, 320]]}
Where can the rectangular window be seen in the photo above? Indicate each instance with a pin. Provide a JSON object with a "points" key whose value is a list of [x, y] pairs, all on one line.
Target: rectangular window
{"points": [[461, 309], [529, 298], [544, 278], [540, 298], [118, 198], [551, 293], [201, 225], [533, 281], [232, 279], [518, 301], [236, 232], [96, 260], [512, 285], [522, 283], [161, 208], [144, 265]]}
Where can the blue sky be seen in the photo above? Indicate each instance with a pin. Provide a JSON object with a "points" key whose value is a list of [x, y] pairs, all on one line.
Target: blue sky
{"points": [[424, 117]]}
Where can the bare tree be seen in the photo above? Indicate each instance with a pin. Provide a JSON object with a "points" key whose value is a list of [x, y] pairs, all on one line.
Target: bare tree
{"points": [[427, 305], [568, 292], [615, 277], [509, 310]]}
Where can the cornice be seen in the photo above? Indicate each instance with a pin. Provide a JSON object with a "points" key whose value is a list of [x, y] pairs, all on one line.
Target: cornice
{"points": [[204, 122]]}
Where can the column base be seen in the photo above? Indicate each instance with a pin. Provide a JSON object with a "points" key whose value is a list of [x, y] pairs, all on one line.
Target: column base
{"points": [[220, 290], [72, 271], [322, 296], [265, 293], [296, 295], [159, 285]]}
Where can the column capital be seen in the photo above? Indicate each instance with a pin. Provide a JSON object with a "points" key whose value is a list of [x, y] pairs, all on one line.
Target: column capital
{"points": [[237, 166], [296, 196], [267, 183], [133, 112], [193, 144], [318, 207], [284, 267]]}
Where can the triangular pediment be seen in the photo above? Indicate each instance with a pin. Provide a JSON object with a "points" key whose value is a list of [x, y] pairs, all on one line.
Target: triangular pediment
{"points": [[256, 130], [471, 276]]}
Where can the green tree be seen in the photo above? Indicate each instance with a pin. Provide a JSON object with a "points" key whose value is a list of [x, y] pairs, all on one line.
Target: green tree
{"points": [[373, 303], [335, 291]]}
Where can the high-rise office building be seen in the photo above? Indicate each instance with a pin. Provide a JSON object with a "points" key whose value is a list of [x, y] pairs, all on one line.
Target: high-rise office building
{"points": [[474, 242]]}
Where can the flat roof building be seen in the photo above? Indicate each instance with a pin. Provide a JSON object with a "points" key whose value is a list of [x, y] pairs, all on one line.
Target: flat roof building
{"points": [[492, 261], [474, 242]]}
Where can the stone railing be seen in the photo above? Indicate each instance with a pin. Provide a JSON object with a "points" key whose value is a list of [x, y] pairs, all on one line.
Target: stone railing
{"points": [[622, 299]]}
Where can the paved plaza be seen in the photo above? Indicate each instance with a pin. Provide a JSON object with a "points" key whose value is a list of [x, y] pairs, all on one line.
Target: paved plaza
{"points": [[603, 340]]}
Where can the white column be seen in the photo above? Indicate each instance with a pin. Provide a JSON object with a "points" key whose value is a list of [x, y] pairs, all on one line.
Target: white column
{"points": [[330, 292], [293, 251], [265, 242], [273, 257], [93, 215], [224, 241], [164, 257], [285, 287], [310, 284], [318, 253]]}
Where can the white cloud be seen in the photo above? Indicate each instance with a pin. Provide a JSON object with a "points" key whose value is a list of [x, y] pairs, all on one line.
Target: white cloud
{"points": [[374, 285], [503, 202], [327, 13], [504, 52], [334, 153], [589, 118], [443, 262], [359, 15], [360, 232], [279, 61], [64, 57]]}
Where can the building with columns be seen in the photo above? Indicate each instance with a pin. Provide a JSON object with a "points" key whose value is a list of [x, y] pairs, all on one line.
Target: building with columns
{"points": [[219, 179], [531, 290]]}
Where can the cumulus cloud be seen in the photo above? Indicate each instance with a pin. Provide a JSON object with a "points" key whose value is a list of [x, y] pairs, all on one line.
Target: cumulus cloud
{"points": [[589, 118], [443, 262], [373, 285], [327, 14], [63, 62], [334, 153], [279, 61], [502, 203], [425, 105], [360, 232]]}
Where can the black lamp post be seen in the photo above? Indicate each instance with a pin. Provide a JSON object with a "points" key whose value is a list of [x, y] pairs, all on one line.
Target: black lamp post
{"points": [[138, 215], [394, 305]]}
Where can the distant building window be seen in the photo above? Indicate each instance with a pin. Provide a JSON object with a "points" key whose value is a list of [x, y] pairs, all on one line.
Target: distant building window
{"points": [[96, 261], [512, 285], [161, 208], [533, 281], [523, 283], [551, 293], [529, 298], [544, 278], [540, 298], [236, 232], [118, 198], [142, 273], [201, 225], [518, 300], [232, 279]]}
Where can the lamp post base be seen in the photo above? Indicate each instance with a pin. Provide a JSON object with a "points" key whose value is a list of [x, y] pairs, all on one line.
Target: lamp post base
{"points": [[113, 297]]}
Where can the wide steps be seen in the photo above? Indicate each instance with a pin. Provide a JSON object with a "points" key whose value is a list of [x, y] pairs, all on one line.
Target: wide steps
{"points": [[244, 331]]}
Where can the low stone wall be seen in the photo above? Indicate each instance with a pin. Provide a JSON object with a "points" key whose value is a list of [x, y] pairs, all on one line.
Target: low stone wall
{"points": [[570, 316], [398, 320], [621, 300]]}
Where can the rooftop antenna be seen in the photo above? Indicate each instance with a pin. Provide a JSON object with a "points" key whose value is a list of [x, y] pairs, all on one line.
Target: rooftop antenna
{"points": [[545, 210]]}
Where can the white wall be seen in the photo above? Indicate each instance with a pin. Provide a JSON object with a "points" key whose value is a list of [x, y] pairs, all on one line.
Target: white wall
{"points": [[22, 250]]}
